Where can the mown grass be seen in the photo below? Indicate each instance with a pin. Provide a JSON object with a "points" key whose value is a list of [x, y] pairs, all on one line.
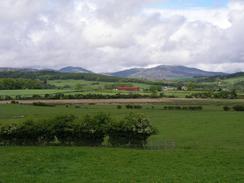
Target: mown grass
{"points": [[84, 164], [209, 147]]}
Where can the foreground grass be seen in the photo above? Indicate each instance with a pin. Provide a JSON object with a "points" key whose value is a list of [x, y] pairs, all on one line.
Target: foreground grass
{"points": [[83, 164], [209, 147]]}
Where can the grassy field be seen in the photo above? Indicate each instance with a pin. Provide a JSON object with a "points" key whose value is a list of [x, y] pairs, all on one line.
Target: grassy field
{"points": [[83, 164], [71, 87], [209, 147], [29, 92], [87, 85]]}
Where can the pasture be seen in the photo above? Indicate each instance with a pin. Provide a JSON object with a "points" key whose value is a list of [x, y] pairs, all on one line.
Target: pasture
{"points": [[208, 147]]}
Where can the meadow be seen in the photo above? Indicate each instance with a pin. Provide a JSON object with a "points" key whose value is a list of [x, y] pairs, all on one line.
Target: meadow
{"points": [[208, 147]]}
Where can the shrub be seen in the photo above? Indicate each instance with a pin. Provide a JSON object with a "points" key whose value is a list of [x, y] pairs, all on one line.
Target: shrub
{"points": [[137, 107], [26, 133], [226, 108], [134, 129], [238, 108], [92, 130], [14, 102], [129, 106], [43, 104], [119, 107], [61, 127], [8, 134], [191, 108]]}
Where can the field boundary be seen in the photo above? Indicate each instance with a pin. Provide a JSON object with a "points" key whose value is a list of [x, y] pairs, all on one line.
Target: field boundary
{"points": [[175, 101]]}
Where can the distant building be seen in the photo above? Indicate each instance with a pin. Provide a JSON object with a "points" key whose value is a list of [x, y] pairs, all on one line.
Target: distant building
{"points": [[166, 88], [128, 88]]}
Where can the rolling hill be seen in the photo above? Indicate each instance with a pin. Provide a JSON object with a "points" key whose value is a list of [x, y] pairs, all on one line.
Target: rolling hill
{"points": [[71, 69], [165, 72]]}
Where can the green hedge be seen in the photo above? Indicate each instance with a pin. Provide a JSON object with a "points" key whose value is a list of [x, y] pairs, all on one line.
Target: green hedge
{"points": [[134, 129]]}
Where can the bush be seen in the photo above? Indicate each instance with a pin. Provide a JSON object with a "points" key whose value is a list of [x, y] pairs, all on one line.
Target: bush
{"points": [[8, 134], [226, 108], [43, 104], [119, 107], [190, 108], [92, 130], [133, 106], [14, 102], [238, 108], [134, 129], [62, 128], [27, 133]]}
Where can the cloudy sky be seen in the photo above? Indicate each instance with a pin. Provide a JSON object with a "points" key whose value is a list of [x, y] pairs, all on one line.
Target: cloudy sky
{"points": [[109, 35]]}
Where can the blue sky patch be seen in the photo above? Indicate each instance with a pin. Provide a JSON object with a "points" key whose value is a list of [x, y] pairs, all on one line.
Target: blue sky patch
{"points": [[181, 4]]}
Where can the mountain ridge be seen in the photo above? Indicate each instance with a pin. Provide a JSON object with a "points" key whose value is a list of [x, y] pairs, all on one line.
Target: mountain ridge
{"points": [[71, 69], [161, 72], [165, 72]]}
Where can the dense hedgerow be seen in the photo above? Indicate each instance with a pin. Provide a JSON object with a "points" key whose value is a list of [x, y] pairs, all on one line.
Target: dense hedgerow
{"points": [[132, 130], [58, 96], [191, 108], [226, 108], [133, 106], [215, 94], [42, 104], [69, 130], [238, 108]]}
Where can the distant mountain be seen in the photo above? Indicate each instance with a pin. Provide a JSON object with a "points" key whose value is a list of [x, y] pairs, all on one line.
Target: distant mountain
{"points": [[127, 73], [71, 69], [165, 72]]}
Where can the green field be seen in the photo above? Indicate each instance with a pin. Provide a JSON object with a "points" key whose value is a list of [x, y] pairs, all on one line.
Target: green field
{"points": [[208, 147], [71, 87], [87, 85], [29, 92]]}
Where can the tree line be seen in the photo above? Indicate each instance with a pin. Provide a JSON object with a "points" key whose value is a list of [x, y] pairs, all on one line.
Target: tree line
{"points": [[58, 96], [215, 94], [14, 84], [54, 75]]}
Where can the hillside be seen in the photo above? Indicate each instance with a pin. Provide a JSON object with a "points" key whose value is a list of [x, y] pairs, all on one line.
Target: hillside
{"points": [[71, 69], [165, 72]]}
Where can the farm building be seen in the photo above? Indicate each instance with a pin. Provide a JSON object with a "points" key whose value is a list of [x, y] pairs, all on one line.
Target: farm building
{"points": [[128, 88]]}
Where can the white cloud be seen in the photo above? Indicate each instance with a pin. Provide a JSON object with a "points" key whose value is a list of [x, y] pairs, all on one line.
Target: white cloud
{"points": [[111, 34]]}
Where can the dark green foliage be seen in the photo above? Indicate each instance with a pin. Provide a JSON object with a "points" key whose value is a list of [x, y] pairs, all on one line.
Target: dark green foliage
{"points": [[134, 129], [92, 130], [42, 104], [238, 108], [62, 128], [79, 96], [215, 94], [119, 107], [226, 108], [67, 130], [155, 88], [54, 75], [191, 108], [14, 102], [27, 133], [14, 84], [133, 106]]}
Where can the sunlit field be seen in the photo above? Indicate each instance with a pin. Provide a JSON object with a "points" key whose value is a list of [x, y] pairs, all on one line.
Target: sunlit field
{"points": [[208, 147]]}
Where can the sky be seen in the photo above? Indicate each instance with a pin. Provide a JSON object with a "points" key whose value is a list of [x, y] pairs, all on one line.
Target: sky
{"points": [[112, 35]]}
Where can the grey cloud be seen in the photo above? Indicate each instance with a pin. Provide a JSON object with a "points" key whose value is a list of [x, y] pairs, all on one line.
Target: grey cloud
{"points": [[111, 35]]}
